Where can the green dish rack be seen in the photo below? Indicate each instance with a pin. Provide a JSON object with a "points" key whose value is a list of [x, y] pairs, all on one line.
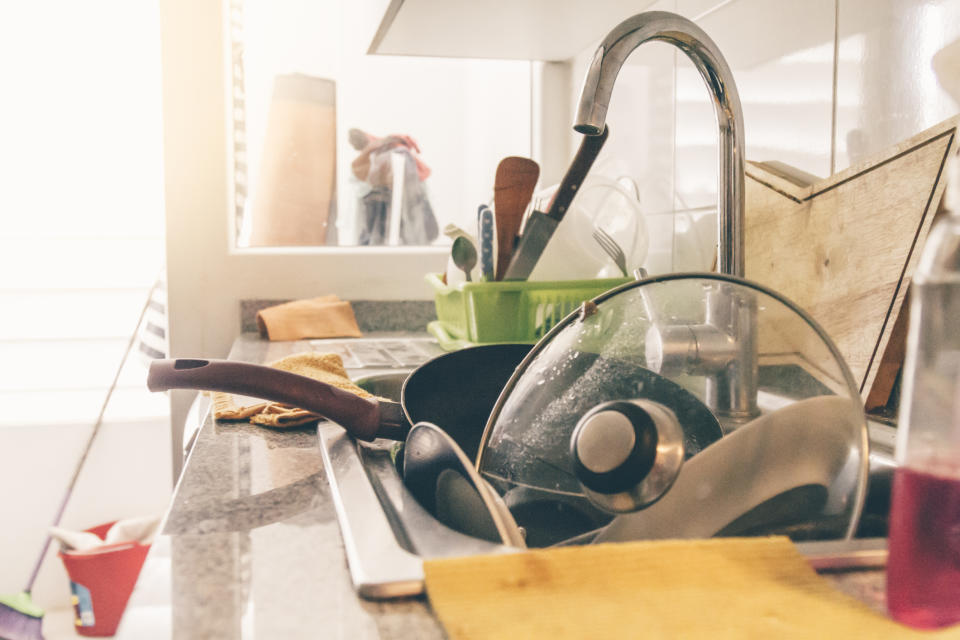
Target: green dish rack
{"points": [[472, 313]]}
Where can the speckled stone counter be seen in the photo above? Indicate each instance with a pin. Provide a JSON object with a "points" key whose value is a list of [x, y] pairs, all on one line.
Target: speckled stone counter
{"points": [[251, 547]]}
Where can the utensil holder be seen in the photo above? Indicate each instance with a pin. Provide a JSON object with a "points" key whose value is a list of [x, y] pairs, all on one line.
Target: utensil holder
{"points": [[472, 313]]}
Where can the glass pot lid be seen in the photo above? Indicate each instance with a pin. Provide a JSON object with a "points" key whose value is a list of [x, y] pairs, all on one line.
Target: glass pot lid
{"points": [[774, 436]]}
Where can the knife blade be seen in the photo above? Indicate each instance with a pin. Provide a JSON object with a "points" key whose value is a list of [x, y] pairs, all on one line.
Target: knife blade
{"points": [[540, 226]]}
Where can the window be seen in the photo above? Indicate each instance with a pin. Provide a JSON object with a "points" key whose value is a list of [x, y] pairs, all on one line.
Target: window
{"points": [[329, 141], [82, 206]]}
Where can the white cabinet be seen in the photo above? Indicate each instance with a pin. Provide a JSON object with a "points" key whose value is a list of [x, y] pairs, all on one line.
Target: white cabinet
{"points": [[545, 30]]}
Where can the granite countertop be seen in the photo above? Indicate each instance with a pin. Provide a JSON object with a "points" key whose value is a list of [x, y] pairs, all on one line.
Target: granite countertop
{"points": [[251, 546]]}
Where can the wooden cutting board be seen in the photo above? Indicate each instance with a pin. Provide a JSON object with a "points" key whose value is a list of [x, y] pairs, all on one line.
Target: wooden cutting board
{"points": [[845, 247]]}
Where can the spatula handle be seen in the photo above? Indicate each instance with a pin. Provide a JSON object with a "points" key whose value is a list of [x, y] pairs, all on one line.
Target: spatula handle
{"points": [[487, 231]]}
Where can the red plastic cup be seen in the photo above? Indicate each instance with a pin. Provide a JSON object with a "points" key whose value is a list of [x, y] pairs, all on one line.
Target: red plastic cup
{"points": [[101, 581]]}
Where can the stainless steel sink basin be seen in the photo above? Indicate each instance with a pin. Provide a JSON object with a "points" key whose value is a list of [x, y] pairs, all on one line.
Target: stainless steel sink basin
{"points": [[876, 509], [385, 385], [387, 534]]}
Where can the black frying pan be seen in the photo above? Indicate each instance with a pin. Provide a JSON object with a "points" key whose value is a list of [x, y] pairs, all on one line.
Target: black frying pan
{"points": [[456, 390]]}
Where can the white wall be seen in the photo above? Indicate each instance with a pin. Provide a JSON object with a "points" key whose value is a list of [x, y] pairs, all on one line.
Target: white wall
{"points": [[824, 83]]}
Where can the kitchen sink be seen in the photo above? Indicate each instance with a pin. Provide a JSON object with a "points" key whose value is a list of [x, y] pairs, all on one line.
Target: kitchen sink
{"points": [[876, 508], [387, 534]]}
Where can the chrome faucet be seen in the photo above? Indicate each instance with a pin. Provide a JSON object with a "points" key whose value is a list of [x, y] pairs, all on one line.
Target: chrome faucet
{"points": [[691, 39], [724, 347]]}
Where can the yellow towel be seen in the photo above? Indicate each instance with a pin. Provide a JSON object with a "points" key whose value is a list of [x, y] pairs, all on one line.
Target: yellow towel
{"points": [[323, 317], [326, 367], [719, 588]]}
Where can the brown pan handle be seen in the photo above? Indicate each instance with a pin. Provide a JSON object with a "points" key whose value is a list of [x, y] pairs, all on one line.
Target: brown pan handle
{"points": [[362, 418]]}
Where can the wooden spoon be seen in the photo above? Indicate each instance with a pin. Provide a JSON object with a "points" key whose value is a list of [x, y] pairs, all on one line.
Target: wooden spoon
{"points": [[513, 187]]}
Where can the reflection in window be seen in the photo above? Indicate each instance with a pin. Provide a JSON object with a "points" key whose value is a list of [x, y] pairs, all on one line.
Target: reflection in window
{"points": [[295, 199], [394, 207], [334, 147]]}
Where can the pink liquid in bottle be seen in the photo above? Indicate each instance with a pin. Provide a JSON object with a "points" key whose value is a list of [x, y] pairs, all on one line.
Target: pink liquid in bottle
{"points": [[923, 570]]}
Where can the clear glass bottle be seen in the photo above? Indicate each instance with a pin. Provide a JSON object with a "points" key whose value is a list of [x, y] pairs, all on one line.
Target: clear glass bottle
{"points": [[923, 570]]}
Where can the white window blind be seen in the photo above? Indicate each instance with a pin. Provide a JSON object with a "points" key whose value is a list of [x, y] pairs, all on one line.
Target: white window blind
{"points": [[81, 205]]}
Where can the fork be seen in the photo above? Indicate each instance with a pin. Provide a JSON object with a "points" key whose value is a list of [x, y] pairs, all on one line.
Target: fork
{"points": [[611, 248]]}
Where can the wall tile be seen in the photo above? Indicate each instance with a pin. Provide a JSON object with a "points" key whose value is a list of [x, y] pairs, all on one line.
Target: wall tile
{"points": [[886, 89], [782, 56], [784, 75], [641, 143]]}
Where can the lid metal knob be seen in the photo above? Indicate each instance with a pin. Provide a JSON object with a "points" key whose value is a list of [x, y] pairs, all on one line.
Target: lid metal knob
{"points": [[627, 453]]}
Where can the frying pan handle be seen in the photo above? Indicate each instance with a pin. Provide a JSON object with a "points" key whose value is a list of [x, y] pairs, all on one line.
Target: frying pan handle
{"points": [[359, 416]]}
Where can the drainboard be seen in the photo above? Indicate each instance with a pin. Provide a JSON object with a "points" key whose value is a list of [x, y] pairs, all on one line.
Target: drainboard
{"points": [[387, 534]]}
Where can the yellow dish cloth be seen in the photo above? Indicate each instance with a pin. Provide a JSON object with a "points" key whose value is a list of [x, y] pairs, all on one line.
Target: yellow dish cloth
{"points": [[326, 367], [323, 317], [718, 588]]}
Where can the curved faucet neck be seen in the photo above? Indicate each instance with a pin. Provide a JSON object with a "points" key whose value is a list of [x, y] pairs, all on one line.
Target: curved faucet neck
{"points": [[706, 57]]}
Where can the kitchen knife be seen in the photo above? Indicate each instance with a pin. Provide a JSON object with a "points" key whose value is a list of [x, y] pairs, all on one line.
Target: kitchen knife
{"points": [[540, 226]]}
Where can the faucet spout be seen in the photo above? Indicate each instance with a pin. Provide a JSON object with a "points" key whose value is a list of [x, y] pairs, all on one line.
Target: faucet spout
{"points": [[692, 40]]}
